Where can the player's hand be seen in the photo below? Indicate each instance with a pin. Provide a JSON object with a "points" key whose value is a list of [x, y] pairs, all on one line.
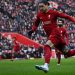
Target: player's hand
{"points": [[30, 33]]}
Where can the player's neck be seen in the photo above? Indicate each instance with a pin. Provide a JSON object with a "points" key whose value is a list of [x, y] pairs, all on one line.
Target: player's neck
{"points": [[46, 11]]}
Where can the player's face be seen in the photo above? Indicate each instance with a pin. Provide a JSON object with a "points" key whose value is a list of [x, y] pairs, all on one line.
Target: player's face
{"points": [[43, 7]]}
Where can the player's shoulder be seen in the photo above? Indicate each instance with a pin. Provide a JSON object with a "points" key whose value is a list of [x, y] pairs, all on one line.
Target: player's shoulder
{"points": [[52, 11], [63, 28], [39, 13]]}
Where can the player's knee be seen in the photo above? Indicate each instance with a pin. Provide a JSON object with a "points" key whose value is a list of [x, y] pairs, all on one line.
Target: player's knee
{"points": [[49, 43]]}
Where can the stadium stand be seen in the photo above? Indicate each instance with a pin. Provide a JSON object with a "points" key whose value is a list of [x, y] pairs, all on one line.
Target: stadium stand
{"points": [[18, 16]]}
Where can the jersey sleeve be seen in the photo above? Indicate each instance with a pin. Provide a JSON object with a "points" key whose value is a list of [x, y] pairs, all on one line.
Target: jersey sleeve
{"points": [[63, 15], [36, 23]]}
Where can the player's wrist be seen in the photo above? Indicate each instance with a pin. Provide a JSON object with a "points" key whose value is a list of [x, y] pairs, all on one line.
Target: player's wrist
{"points": [[30, 32]]}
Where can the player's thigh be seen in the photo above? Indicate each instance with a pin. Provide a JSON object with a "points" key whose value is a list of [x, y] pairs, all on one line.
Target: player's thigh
{"points": [[54, 40]]}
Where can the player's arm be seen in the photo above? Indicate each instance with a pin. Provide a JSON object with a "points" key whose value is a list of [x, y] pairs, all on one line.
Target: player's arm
{"points": [[35, 25], [63, 15]]}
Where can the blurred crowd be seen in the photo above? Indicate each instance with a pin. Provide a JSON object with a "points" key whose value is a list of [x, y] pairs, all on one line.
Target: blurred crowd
{"points": [[19, 15], [13, 47]]}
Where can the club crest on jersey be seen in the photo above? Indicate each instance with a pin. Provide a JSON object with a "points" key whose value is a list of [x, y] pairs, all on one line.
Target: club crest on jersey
{"points": [[49, 16], [61, 31]]}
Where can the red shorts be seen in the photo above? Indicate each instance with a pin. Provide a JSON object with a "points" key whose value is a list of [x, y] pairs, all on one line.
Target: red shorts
{"points": [[57, 40]]}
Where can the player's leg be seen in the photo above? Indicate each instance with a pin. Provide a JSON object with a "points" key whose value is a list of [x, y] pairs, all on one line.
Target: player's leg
{"points": [[67, 52], [47, 56], [12, 55], [70, 53], [47, 52], [59, 58], [58, 55], [52, 41]]}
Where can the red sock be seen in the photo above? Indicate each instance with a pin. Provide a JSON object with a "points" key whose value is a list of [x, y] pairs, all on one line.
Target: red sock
{"points": [[47, 53], [71, 53], [59, 57]]}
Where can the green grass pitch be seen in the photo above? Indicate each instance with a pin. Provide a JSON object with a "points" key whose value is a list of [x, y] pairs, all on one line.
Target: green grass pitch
{"points": [[27, 67]]}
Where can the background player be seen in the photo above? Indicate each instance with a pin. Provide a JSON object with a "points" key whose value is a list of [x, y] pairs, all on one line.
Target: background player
{"points": [[16, 48], [64, 35]]}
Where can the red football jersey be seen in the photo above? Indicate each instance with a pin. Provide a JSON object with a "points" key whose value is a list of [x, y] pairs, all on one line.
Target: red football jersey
{"points": [[49, 20], [63, 34]]}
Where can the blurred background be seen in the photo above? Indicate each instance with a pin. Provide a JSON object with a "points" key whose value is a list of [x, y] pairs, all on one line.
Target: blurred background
{"points": [[17, 16]]}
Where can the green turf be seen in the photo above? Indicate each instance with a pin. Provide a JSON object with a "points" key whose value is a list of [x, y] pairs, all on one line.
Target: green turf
{"points": [[27, 67]]}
